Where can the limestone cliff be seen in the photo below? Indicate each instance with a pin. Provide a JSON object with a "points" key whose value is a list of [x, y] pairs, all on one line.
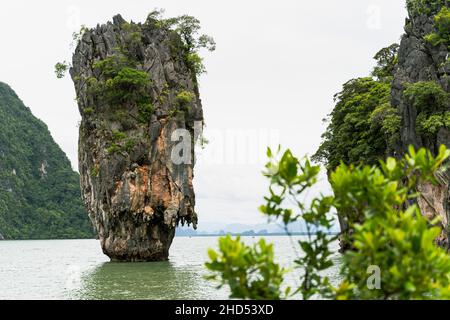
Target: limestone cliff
{"points": [[134, 88], [421, 61]]}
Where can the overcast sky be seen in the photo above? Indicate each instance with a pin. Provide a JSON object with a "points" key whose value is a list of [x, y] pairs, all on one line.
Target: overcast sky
{"points": [[273, 76]]}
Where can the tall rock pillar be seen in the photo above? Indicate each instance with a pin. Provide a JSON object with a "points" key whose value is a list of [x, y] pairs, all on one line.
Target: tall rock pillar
{"points": [[134, 90]]}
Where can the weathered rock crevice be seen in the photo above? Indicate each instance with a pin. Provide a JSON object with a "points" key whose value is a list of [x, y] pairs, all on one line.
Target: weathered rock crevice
{"points": [[134, 193]]}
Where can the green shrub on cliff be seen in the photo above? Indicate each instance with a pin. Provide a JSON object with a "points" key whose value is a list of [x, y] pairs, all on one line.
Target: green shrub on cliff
{"points": [[429, 125], [442, 34], [61, 69], [95, 171], [146, 111], [120, 82], [184, 98], [113, 148], [132, 37], [386, 121], [110, 66], [394, 256], [195, 63], [120, 143], [427, 96], [431, 102], [121, 85], [118, 136]]}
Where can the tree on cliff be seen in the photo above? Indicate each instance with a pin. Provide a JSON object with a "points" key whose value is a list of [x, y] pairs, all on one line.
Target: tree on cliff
{"points": [[363, 127]]}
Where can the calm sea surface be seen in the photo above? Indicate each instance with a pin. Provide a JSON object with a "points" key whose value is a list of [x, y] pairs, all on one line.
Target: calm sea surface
{"points": [[77, 269]]}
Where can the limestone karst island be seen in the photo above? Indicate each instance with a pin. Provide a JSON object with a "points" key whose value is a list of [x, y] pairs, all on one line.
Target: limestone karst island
{"points": [[254, 152]]}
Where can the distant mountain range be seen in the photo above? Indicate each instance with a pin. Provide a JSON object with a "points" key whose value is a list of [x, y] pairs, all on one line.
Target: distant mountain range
{"points": [[245, 229]]}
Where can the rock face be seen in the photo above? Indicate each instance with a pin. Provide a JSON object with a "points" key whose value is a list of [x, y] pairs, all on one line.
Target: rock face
{"points": [[134, 193], [418, 60]]}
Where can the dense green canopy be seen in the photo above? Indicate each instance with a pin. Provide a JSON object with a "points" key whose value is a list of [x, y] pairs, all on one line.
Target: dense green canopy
{"points": [[363, 126], [39, 191]]}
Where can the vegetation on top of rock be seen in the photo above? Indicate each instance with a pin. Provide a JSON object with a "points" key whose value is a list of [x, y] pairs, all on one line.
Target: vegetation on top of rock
{"points": [[118, 79], [39, 191], [428, 7], [187, 28]]}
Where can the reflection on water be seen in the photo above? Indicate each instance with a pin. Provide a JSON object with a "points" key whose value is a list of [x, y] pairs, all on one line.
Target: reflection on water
{"points": [[182, 277], [77, 269], [157, 280]]}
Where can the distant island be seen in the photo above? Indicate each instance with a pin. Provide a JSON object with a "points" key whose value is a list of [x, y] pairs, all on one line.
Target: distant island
{"points": [[185, 232]]}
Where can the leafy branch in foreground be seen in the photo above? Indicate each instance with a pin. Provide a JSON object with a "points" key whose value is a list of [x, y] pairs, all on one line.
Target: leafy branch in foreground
{"points": [[398, 241], [250, 270], [290, 179], [392, 236]]}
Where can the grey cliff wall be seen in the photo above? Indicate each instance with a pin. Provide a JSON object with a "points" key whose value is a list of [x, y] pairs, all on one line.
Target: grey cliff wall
{"points": [[421, 61], [135, 198]]}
